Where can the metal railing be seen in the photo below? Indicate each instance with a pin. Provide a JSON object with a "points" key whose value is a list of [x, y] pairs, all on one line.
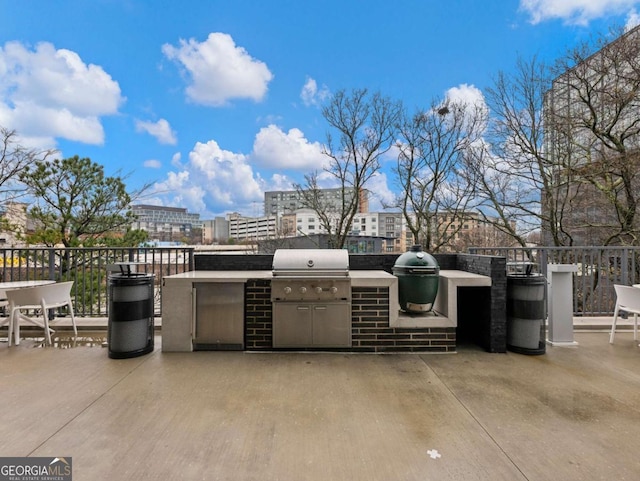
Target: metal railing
{"points": [[87, 267], [599, 268]]}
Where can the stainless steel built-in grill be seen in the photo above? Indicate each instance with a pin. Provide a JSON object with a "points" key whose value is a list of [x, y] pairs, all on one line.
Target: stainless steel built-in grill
{"points": [[311, 296]]}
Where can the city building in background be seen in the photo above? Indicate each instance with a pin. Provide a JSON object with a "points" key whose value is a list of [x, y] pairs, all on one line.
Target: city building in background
{"points": [[215, 231], [168, 224], [252, 229], [14, 223], [282, 202], [592, 139], [469, 229], [370, 231]]}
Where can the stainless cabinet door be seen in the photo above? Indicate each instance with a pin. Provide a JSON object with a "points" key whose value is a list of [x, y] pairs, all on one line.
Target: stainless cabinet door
{"points": [[292, 325], [332, 325], [219, 315], [311, 325]]}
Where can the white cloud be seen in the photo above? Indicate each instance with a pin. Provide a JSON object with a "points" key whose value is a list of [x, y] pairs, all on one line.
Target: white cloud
{"points": [[213, 181], [219, 70], [379, 192], [161, 130], [48, 93], [310, 94], [579, 12], [280, 182], [471, 98], [273, 148], [179, 190], [633, 20], [152, 164], [467, 94]]}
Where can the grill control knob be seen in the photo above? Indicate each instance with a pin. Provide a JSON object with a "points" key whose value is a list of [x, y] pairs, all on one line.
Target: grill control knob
{"points": [[334, 289], [319, 290], [303, 290], [287, 290]]}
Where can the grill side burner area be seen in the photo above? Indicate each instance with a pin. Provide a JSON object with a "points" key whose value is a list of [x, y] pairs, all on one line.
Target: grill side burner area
{"points": [[311, 298]]}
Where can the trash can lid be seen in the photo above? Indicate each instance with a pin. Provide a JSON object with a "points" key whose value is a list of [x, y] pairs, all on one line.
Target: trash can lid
{"points": [[125, 267]]}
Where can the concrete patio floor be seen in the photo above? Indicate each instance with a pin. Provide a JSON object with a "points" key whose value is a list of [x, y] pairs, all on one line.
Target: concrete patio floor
{"points": [[570, 414]]}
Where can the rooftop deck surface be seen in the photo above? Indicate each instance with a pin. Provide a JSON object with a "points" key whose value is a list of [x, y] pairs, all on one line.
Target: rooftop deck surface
{"points": [[570, 414]]}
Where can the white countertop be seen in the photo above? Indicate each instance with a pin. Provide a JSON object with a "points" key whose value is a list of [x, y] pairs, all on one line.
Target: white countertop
{"points": [[219, 276], [358, 278]]}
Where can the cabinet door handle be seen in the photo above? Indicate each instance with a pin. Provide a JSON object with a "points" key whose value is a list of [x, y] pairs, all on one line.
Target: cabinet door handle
{"points": [[320, 308], [303, 308]]}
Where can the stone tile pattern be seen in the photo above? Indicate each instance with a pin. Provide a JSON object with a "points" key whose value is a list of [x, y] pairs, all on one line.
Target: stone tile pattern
{"points": [[371, 331], [482, 318], [258, 316], [489, 318]]}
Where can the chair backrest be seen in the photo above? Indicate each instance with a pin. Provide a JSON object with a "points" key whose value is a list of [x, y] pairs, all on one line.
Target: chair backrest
{"points": [[58, 293], [628, 298], [25, 296], [48, 294]]}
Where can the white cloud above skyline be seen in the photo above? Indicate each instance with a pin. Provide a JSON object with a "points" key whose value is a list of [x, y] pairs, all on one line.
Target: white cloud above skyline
{"points": [[311, 95], [161, 130], [50, 93], [219, 71], [578, 12], [633, 20], [275, 149], [152, 164], [232, 181]]}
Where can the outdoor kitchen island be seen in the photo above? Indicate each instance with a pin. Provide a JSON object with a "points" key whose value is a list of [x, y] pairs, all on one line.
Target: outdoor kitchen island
{"points": [[377, 324]]}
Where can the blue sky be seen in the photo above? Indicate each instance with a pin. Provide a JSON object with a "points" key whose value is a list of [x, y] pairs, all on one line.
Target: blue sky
{"points": [[215, 102]]}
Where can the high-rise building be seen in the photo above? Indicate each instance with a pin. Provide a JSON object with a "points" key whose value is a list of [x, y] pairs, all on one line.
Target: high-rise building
{"points": [[252, 228], [168, 223], [288, 201], [215, 230], [592, 139]]}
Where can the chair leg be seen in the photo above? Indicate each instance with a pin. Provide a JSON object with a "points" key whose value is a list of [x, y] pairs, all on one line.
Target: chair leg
{"points": [[613, 325], [47, 331], [10, 334], [73, 319], [635, 326]]}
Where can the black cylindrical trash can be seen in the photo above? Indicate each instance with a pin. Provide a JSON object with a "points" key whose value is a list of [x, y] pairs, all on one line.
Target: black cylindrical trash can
{"points": [[526, 313], [130, 332]]}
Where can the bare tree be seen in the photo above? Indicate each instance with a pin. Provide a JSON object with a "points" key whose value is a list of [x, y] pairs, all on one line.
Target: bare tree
{"points": [[365, 127], [14, 158], [435, 194], [595, 102], [517, 168]]}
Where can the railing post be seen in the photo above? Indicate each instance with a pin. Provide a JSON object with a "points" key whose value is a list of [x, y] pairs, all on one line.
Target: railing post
{"points": [[624, 268], [52, 264], [544, 260]]}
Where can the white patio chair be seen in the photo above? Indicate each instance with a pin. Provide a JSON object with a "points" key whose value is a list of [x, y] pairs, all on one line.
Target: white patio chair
{"points": [[4, 303], [628, 300], [42, 298]]}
